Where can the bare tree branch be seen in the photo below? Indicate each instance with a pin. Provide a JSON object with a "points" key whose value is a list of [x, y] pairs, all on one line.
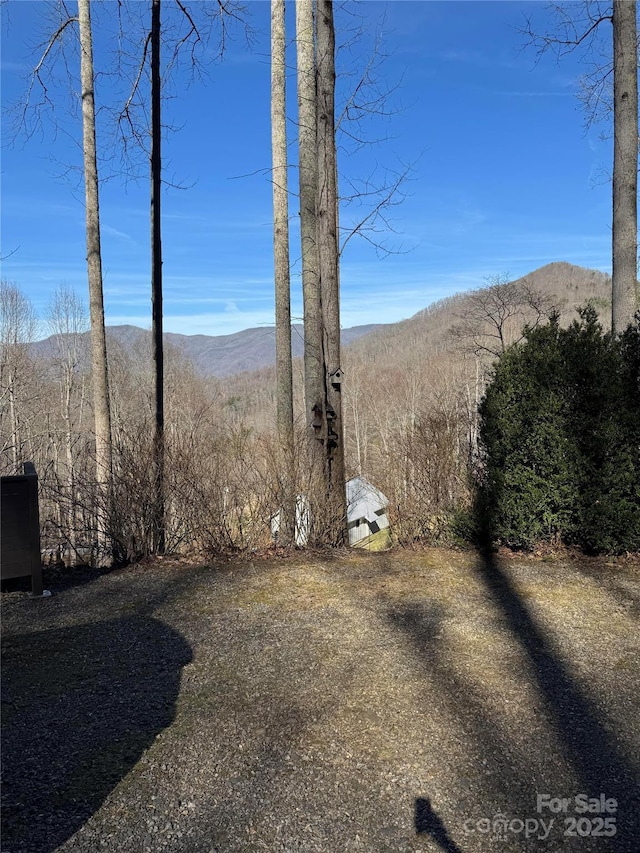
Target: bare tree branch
{"points": [[390, 194], [495, 316], [36, 78], [577, 27], [125, 114]]}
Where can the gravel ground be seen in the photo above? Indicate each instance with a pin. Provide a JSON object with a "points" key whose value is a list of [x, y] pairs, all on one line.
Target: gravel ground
{"points": [[358, 702]]}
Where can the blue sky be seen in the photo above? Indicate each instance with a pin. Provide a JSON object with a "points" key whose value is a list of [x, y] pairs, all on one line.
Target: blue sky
{"points": [[505, 178]]}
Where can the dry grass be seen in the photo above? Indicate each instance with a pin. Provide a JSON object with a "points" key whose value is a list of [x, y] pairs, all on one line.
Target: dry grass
{"points": [[321, 703]]}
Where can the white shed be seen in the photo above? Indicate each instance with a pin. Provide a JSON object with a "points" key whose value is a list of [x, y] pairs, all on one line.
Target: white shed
{"points": [[367, 519], [366, 514]]}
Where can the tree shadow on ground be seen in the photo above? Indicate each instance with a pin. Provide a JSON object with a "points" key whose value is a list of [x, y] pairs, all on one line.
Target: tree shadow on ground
{"points": [[598, 762], [612, 581], [485, 742], [80, 706]]}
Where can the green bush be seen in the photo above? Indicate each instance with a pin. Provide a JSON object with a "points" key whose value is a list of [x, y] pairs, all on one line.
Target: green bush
{"points": [[560, 429]]}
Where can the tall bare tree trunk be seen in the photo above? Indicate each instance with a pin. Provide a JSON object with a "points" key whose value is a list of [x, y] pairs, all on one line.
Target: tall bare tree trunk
{"points": [[72, 522], [284, 368], [96, 303], [156, 282], [327, 236], [67, 323], [16, 444], [625, 164], [308, 171]]}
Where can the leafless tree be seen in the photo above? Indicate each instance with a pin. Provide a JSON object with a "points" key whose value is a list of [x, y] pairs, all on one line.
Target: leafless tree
{"points": [[17, 330], [284, 368], [100, 376], [67, 322], [38, 97], [579, 26], [189, 36], [315, 42], [308, 177], [494, 317], [157, 354], [625, 165], [328, 255]]}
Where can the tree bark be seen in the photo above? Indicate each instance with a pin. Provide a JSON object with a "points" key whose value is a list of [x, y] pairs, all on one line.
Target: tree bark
{"points": [[96, 302], [156, 283], [327, 236], [284, 368], [308, 172], [625, 165]]}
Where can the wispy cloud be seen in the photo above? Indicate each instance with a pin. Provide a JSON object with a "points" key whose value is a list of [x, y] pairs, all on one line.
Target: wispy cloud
{"points": [[110, 231]]}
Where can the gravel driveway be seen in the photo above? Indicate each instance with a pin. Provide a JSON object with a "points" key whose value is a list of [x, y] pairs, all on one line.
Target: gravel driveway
{"points": [[406, 701]]}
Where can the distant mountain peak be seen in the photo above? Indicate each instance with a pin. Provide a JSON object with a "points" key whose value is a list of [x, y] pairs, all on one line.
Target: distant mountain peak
{"points": [[254, 349]]}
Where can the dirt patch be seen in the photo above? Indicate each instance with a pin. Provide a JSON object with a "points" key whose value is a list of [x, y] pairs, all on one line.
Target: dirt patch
{"points": [[406, 701]]}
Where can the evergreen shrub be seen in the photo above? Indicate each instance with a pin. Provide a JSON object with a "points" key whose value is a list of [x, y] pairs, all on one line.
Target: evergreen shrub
{"points": [[560, 431]]}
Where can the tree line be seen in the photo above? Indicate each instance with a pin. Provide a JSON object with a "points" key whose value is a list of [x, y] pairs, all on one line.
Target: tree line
{"points": [[122, 494]]}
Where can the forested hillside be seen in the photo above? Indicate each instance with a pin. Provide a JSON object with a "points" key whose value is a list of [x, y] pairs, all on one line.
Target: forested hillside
{"points": [[212, 355], [410, 406], [149, 442]]}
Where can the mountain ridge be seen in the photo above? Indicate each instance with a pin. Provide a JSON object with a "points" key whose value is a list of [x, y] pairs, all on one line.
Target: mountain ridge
{"points": [[253, 349], [214, 355]]}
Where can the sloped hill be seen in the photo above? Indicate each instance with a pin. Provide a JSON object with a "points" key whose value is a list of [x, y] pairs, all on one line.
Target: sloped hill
{"points": [[420, 352], [426, 334], [429, 331]]}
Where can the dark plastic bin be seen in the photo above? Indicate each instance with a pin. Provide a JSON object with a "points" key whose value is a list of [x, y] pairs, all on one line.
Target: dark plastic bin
{"points": [[20, 528]]}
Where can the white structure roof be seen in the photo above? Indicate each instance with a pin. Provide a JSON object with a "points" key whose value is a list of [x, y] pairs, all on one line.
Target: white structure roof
{"points": [[364, 500]]}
